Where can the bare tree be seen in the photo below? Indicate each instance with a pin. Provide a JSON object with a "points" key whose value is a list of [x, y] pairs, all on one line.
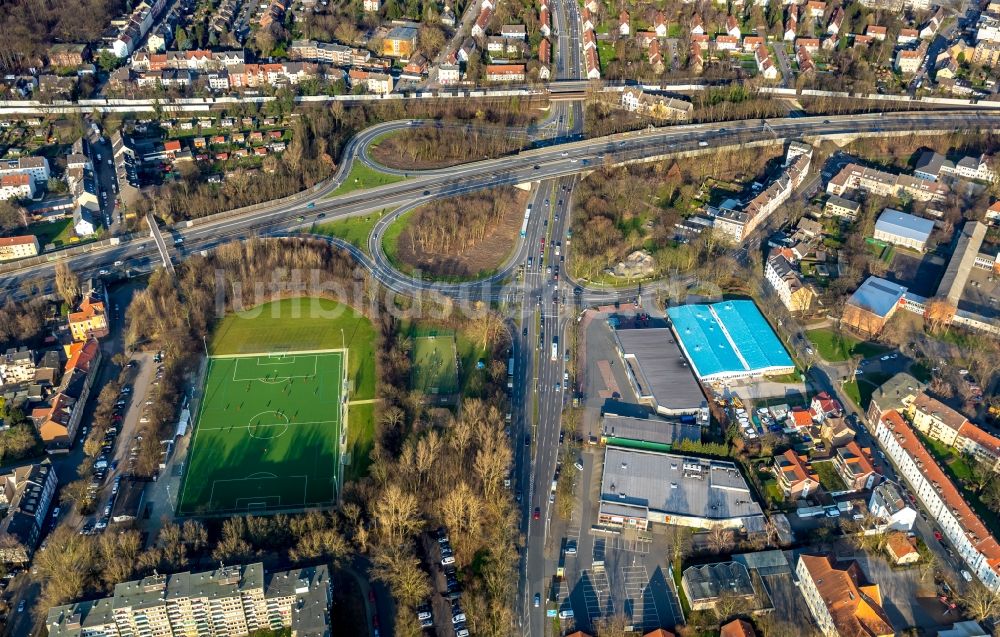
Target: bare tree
{"points": [[979, 602], [720, 539], [67, 283]]}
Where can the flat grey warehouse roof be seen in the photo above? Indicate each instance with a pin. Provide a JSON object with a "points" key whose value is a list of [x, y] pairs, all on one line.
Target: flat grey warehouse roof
{"points": [[660, 368], [676, 485]]}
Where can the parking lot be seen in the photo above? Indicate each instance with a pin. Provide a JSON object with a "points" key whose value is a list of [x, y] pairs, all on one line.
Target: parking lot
{"points": [[609, 573]]}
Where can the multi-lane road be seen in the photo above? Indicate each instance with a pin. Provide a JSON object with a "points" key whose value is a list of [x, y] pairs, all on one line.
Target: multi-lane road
{"points": [[553, 161]]}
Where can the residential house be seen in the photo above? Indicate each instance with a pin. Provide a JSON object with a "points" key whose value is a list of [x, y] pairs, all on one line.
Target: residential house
{"points": [[906, 36], [17, 186], [805, 61], [885, 184], [35, 167], [765, 66], [901, 549], [809, 44], [726, 43], [934, 419], [840, 599], [751, 42], [815, 8], [823, 406], [854, 466], [737, 628], [892, 511], [795, 475], [697, 25], [372, 6], [544, 59], [593, 64], [836, 21], [733, 28], [624, 28], [68, 55], [660, 24], [908, 61], [545, 21], [876, 32]]}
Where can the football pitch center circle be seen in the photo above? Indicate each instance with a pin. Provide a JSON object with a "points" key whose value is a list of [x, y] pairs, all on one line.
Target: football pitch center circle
{"points": [[267, 425]]}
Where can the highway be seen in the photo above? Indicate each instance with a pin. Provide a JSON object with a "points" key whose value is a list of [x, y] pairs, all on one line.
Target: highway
{"points": [[554, 161]]}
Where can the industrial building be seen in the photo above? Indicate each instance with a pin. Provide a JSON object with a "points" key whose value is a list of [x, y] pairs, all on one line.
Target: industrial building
{"points": [[643, 487], [651, 434], [705, 584], [729, 340], [872, 305], [659, 374]]}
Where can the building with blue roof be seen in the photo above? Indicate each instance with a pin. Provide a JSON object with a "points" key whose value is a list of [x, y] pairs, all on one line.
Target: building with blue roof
{"points": [[729, 340], [902, 229]]}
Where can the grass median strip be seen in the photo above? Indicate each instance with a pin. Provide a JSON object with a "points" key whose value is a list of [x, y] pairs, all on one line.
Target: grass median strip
{"points": [[363, 177]]}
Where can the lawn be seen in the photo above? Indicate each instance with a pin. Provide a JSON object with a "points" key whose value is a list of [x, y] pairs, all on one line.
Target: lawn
{"points": [[834, 347], [267, 436], [59, 233], [471, 379], [828, 476], [362, 177], [354, 230], [606, 52], [860, 389], [435, 363]]}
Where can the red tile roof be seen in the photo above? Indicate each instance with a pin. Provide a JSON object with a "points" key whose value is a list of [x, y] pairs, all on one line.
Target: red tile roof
{"points": [[737, 628], [854, 605]]}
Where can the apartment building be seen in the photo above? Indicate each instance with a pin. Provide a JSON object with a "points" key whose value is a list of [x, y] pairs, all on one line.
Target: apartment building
{"points": [[884, 184], [25, 493], [841, 207], [840, 599], [787, 283], [505, 72], [737, 224], [231, 600], [854, 466], [658, 106], [89, 321], [400, 42], [795, 476], [17, 366], [934, 419], [933, 166], [377, 83], [965, 532], [20, 186], [35, 167], [18, 247]]}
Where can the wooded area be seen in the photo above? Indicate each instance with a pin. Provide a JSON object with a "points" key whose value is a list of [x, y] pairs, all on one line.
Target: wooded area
{"points": [[29, 27], [618, 210], [463, 236], [440, 147]]}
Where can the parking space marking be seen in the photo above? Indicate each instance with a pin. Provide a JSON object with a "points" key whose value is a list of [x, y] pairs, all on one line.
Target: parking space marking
{"points": [[638, 594], [596, 593], [631, 546]]}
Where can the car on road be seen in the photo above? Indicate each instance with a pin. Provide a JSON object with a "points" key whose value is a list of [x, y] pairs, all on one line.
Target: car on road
{"points": [[938, 536], [537, 514], [538, 600], [571, 547], [579, 465], [20, 607]]}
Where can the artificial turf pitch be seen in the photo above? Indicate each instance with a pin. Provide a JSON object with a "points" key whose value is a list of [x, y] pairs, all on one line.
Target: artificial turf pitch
{"points": [[267, 435]]}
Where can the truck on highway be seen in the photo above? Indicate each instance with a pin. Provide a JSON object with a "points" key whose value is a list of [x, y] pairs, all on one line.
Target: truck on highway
{"points": [[510, 373], [555, 348], [527, 215]]}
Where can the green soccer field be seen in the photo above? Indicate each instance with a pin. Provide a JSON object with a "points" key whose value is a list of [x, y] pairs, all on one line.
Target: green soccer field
{"points": [[267, 434], [435, 364]]}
